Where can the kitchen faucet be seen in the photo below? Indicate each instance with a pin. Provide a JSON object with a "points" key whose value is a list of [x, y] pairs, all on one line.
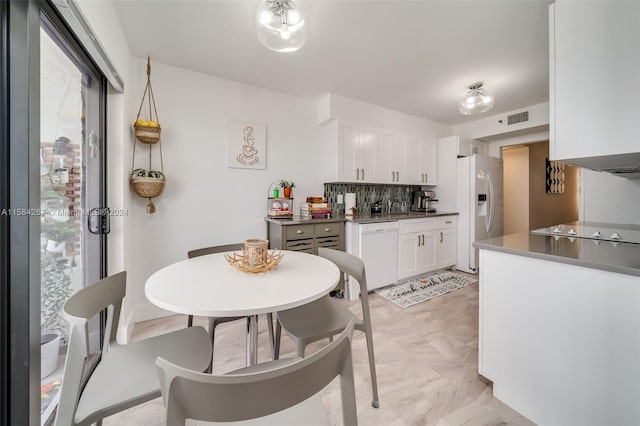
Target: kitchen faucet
{"points": [[390, 203]]}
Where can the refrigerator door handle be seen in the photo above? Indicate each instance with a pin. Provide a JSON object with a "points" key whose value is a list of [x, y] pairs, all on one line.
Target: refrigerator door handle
{"points": [[491, 205]]}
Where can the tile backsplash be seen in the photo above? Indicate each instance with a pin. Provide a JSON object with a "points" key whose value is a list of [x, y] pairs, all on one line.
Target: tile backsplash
{"points": [[367, 194]]}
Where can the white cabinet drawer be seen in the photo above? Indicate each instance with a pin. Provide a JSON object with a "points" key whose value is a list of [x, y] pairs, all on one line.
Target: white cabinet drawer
{"points": [[416, 225], [447, 222]]}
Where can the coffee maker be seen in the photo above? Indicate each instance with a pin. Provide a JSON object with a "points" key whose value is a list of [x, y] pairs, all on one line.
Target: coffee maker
{"points": [[422, 200]]}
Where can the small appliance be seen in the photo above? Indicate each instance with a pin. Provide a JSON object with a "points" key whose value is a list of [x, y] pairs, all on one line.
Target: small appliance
{"points": [[376, 207], [421, 201]]}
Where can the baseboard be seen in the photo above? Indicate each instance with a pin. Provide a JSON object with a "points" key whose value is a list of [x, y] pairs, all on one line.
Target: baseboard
{"points": [[139, 313], [149, 311]]}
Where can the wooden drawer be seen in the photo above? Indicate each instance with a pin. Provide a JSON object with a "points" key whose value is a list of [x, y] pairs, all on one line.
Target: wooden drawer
{"points": [[328, 242], [300, 245], [332, 228], [297, 232]]}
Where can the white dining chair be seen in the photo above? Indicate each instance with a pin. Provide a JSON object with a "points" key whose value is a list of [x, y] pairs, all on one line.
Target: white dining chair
{"points": [[215, 321], [326, 317], [125, 375], [282, 392]]}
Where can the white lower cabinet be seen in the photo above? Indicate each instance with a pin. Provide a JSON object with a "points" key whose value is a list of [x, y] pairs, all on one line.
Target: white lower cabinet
{"points": [[425, 245], [446, 250], [416, 253]]}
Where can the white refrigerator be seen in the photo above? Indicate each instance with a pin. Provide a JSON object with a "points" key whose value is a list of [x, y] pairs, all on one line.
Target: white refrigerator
{"points": [[480, 205]]}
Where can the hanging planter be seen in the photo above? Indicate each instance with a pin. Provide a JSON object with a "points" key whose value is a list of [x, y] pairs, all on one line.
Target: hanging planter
{"points": [[148, 183], [148, 131]]}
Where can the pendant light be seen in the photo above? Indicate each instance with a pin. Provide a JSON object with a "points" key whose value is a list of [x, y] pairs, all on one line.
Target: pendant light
{"points": [[477, 100], [281, 25]]}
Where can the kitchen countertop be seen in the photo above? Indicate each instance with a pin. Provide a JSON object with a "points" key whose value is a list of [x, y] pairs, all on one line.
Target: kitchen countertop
{"points": [[361, 218], [297, 220], [617, 257], [394, 217]]}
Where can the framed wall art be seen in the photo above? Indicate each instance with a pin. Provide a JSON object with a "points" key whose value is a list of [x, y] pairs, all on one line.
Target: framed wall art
{"points": [[246, 145], [555, 177]]}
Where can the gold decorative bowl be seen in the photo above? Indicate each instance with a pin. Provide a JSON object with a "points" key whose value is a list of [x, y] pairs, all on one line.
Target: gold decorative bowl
{"points": [[239, 261]]}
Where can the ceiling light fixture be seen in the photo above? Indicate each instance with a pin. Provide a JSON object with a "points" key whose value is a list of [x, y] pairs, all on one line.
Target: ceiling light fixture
{"points": [[281, 25], [477, 100]]}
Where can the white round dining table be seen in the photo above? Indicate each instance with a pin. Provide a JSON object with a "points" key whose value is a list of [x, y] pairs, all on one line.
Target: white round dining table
{"points": [[209, 286]]}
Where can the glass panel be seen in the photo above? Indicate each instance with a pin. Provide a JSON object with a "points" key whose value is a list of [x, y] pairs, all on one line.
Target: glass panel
{"points": [[70, 185]]}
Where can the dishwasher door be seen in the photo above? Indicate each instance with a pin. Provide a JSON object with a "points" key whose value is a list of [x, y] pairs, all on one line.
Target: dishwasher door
{"points": [[378, 249]]}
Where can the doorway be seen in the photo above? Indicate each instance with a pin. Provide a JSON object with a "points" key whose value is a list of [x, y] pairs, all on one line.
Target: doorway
{"points": [[527, 203]]}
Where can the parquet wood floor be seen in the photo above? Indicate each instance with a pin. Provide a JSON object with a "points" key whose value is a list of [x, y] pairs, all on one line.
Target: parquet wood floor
{"points": [[426, 357]]}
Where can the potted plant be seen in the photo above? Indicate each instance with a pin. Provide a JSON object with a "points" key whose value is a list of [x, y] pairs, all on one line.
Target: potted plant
{"points": [[58, 234], [148, 184], [286, 188], [55, 290]]}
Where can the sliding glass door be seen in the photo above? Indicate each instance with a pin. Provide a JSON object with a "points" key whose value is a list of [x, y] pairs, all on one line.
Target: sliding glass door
{"points": [[71, 169], [52, 182]]}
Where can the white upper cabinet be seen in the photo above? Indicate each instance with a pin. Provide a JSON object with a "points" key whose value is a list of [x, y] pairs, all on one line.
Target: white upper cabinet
{"points": [[421, 161], [469, 147], [594, 78], [428, 162], [389, 157], [357, 153], [385, 156], [411, 159]]}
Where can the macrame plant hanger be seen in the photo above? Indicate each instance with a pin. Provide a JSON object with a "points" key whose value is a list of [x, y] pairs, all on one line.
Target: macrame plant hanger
{"points": [[148, 183]]}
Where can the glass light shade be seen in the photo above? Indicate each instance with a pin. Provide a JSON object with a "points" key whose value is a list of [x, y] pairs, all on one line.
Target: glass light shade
{"points": [[281, 25], [477, 100]]}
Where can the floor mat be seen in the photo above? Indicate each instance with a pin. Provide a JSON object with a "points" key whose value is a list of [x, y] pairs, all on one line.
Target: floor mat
{"points": [[423, 288]]}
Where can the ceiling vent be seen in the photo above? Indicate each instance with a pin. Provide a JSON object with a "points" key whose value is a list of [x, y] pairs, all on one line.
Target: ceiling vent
{"points": [[520, 117]]}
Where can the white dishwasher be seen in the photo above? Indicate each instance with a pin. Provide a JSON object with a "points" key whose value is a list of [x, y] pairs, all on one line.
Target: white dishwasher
{"points": [[378, 249]]}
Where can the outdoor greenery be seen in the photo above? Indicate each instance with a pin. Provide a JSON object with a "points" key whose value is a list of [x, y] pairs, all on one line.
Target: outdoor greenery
{"points": [[55, 289], [59, 231]]}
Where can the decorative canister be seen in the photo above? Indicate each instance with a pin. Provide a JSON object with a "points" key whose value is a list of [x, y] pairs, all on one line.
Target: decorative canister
{"points": [[255, 252]]}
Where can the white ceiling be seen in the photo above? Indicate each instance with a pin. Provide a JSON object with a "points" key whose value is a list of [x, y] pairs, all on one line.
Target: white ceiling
{"points": [[411, 56]]}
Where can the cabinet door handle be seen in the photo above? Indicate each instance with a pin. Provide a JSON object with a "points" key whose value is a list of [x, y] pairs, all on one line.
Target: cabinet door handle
{"points": [[449, 221], [426, 178], [357, 174], [327, 229], [362, 174], [299, 231], [441, 237], [398, 175], [418, 240]]}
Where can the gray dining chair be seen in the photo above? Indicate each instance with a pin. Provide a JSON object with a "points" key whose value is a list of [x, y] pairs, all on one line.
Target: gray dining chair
{"points": [[215, 321], [125, 375], [326, 317], [282, 392]]}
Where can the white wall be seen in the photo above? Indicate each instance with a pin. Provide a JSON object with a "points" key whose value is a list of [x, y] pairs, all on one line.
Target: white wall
{"points": [[447, 188], [205, 202], [608, 198], [338, 107], [516, 189], [488, 128]]}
